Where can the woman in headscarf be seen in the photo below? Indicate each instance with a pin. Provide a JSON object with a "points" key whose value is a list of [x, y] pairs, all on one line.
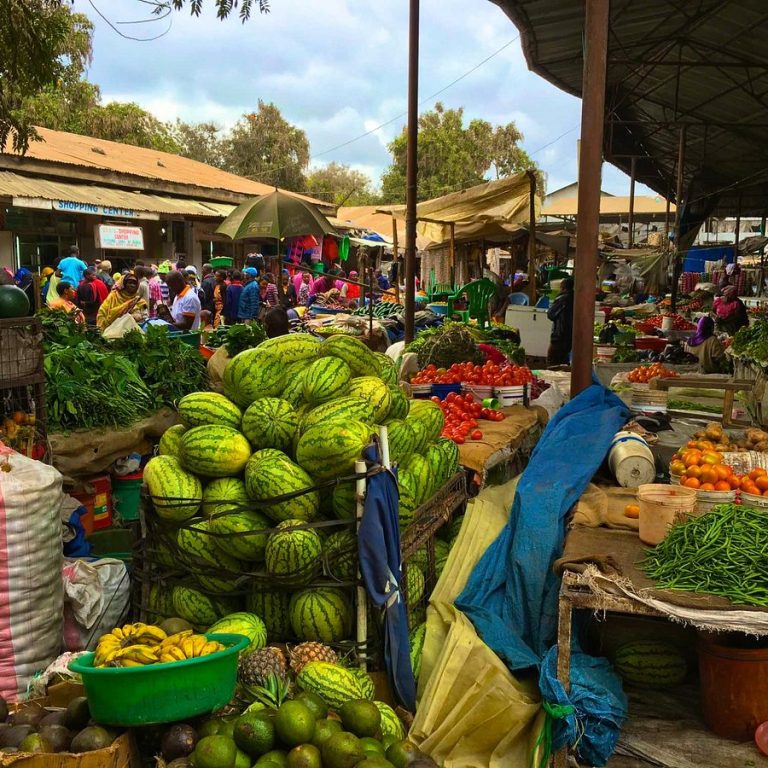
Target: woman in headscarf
{"points": [[305, 289], [123, 300], [731, 311], [707, 347], [46, 275]]}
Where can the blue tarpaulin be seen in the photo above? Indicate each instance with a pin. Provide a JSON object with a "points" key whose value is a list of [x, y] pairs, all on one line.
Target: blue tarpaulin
{"points": [[512, 594]]}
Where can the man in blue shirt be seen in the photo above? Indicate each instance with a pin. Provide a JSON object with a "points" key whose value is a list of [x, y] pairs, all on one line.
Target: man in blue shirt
{"points": [[72, 267], [250, 298]]}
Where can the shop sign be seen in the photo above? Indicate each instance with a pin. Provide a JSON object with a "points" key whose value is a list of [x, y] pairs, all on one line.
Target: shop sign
{"points": [[102, 210], [119, 238]]}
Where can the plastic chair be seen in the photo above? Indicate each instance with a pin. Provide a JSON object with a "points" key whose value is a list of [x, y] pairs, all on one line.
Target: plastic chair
{"points": [[440, 290], [543, 303], [478, 294], [519, 299]]}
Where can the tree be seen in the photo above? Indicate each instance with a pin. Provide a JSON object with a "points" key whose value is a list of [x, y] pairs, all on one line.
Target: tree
{"points": [[453, 156], [223, 7], [341, 185], [201, 142], [264, 146]]}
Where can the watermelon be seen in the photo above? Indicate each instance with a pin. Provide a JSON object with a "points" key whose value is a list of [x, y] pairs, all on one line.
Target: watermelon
{"points": [[272, 607], [421, 472], [442, 550], [327, 451], [439, 464], [323, 614], [200, 408], [417, 614], [252, 374], [13, 302], [331, 682], [340, 409], [160, 603], [399, 406], [653, 664], [414, 584], [293, 347], [199, 609], [242, 623], [293, 389], [374, 391], [430, 414], [224, 494], [292, 554], [408, 498], [214, 451], [171, 440], [252, 532], [416, 647], [360, 359], [345, 500], [176, 494], [420, 435], [270, 422], [452, 530], [388, 372], [340, 555], [270, 473], [197, 547], [366, 682], [325, 379], [391, 725], [402, 441], [452, 456]]}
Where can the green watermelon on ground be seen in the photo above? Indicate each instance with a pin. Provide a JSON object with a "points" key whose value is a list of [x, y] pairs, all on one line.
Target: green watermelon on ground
{"points": [[653, 664], [270, 422], [341, 409], [402, 441], [417, 636], [325, 379], [292, 554], [325, 452], [242, 623], [398, 408], [322, 614], [373, 390], [419, 469], [171, 440], [224, 494], [252, 374], [199, 609], [243, 534], [340, 555], [345, 500], [200, 408], [214, 451], [331, 682], [293, 347], [361, 360], [272, 607], [176, 494], [293, 383], [387, 369], [430, 414]]}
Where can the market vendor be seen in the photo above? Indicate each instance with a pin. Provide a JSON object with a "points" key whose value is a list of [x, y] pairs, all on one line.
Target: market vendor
{"points": [[66, 301], [123, 300], [561, 315], [731, 311], [707, 347], [184, 314]]}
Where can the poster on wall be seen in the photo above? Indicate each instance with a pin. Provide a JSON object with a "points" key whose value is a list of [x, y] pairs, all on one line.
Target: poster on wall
{"points": [[114, 236]]}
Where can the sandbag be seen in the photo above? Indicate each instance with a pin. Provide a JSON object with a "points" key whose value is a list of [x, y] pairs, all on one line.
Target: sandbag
{"points": [[31, 593]]}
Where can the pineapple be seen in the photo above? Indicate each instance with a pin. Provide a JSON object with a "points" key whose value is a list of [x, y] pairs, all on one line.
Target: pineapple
{"points": [[302, 654], [255, 668]]}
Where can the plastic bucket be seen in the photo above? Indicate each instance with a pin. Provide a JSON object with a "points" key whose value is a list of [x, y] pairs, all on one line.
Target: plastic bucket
{"points": [[479, 392], [631, 460], [116, 543], [126, 496], [443, 390], [508, 396], [734, 684], [667, 323], [604, 354], [661, 506], [96, 497], [706, 501]]}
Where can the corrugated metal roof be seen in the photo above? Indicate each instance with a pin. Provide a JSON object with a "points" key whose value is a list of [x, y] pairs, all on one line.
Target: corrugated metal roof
{"points": [[612, 205], [14, 185]]}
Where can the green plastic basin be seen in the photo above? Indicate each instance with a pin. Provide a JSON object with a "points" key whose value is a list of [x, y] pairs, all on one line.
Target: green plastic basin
{"points": [[161, 693]]}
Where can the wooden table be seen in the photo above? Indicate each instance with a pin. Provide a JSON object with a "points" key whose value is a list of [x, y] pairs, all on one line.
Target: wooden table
{"points": [[729, 387]]}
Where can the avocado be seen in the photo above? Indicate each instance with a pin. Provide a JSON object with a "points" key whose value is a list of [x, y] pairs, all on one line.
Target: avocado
{"points": [[342, 750], [57, 736], [313, 703], [215, 752], [254, 733], [178, 741], [360, 717], [57, 717], [324, 729], [78, 714], [174, 625], [13, 735], [92, 738], [35, 742], [30, 713], [304, 756], [242, 760], [294, 724], [403, 753]]}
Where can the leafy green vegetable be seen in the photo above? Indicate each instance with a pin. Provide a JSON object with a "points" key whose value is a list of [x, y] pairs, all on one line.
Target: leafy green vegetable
{"points": [[443, 346], [689, 405], [752, 341]]}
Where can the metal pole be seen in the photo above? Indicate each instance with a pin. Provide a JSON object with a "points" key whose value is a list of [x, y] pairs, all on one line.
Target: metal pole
{"points": [[452, 254], [631, 219], [761, 287], [666, 216], [677, 253], [397, 258], [411, 169], [361, 630], [737, 232], [532, 237], [591, 158]]}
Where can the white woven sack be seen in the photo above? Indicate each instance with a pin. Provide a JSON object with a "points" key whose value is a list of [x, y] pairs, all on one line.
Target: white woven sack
{"points": [[31, 592]]}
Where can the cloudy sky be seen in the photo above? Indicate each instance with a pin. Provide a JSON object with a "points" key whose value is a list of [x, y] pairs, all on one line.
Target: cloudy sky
{"points": [[338, 69]]}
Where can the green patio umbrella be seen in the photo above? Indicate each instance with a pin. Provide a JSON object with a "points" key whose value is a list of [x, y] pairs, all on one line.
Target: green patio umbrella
{"points": [[275, 216]]}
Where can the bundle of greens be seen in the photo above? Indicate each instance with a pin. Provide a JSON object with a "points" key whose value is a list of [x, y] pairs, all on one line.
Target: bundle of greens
{"points": [[752, 341], [237, 338], [442, 347]]}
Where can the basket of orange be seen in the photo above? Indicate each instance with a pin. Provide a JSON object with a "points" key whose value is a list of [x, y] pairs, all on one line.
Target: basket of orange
{"points": [[700, 467], [754, 489]]}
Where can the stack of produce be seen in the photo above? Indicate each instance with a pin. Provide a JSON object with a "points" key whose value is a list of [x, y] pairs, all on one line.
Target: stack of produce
{"points": [[751, 342], [753, 439], [679, 323], [487, 374], [644, 373], [462, 414], [254, 493]]}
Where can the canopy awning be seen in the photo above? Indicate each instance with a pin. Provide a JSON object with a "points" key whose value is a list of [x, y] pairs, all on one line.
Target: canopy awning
{"points": [[613, 205]]}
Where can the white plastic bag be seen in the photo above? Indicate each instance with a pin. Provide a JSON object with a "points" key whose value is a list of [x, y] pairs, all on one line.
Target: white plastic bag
{"points": [[120, 327]]}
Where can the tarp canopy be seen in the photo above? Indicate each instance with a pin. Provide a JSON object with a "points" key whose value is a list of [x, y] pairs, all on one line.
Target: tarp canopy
{"points": [[485, 211]]}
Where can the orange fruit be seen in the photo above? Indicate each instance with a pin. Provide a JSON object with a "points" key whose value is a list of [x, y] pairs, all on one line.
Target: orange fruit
{"points": [[734, 482], [755, 473], [711, 457], [692, 458], [762, 482], [722, 485], [632, 510], [708, 475], [691, 482], [749, 487], [723, 472], [706, 487], [677, 467], [694, 471]]}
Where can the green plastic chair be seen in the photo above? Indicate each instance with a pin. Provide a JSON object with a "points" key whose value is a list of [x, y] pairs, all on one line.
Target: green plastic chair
{"points": [[478, 294]]}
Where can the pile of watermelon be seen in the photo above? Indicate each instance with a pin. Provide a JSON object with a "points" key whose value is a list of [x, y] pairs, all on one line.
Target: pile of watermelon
{"points": [[254, 493]]}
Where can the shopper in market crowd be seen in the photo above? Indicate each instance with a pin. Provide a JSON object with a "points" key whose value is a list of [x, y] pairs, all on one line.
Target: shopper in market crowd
{"points": [[381, 279], [72, 267], [207, 285], [352, 291], [184, 314], [232, 297], [219, 297], [123, 300], [46, 275], [730, 310], [270, 296], [104, 272], [288, 297], [561, 315], [250, 299], [91, 294], [66, 301], [707, 347], [162, 272], [305, 289], [155, 291], [276, 322]]}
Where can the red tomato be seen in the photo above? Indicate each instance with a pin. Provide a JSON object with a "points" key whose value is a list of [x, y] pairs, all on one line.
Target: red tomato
{"points": [[477, 435], [459, 439], [436, 399]]}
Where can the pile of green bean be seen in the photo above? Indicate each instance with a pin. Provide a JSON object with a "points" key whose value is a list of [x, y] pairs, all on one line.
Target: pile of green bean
{"points": [[724, 552]]}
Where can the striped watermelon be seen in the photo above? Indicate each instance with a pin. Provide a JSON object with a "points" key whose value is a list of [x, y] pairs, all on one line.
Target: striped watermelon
{"points": [[293, 554], [341, 409], [361, 360], [200, 408], [176, 494], [159, 603], [417, 646], [331, 682], [402, 441], [388, 372], [420, 434], [340, 555], [323, 614], [270, 473], [242, 623], [326, 379], [293, 389], [345, 501], [327, 451], [214, 451], [270, 422], [366, 683], [252, 374], [199, 609], [452, 456], [399, 406], [224, 494], [414, 583], [391, 725], [197, 547], [374, 391], [421, 472], [442, 550], [252, 532], [417, 614], [408, 498], [293, 347], [272, 607], [430, 414], [438, 462], [171, 440], [452, 530], [652, 664]]}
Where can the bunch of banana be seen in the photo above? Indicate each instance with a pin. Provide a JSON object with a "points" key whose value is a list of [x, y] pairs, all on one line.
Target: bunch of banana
{"points": [[186, 645], [144, 637]]}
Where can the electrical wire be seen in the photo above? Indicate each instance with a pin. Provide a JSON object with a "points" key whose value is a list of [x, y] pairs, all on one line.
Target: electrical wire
{"points": [[114, 28]]}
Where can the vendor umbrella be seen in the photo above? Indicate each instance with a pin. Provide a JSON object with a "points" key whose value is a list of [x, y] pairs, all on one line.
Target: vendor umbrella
{"points": [[276, 216]]}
